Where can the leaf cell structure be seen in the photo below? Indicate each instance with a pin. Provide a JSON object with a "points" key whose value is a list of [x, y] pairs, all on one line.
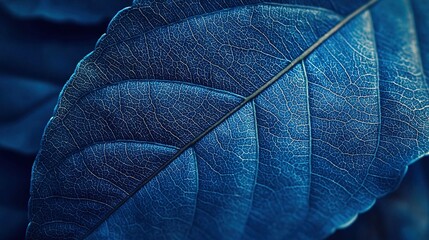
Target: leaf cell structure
{"points": [[239, 119]]}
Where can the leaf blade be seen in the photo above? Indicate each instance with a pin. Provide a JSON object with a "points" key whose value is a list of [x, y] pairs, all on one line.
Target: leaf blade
{"points": [[73, 97]]}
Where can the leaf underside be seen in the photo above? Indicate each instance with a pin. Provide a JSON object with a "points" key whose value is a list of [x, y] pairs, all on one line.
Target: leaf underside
{"points": [[178, 125]]}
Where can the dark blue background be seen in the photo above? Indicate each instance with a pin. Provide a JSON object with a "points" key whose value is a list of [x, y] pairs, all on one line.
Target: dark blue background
{"points": [[37, 56]]}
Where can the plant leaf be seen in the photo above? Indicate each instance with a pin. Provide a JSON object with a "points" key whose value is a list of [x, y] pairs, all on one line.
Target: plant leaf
{"points": [[208, 120]]}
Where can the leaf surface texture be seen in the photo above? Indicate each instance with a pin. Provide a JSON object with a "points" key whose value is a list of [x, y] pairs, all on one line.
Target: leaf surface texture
{"points": [[128, 152]]}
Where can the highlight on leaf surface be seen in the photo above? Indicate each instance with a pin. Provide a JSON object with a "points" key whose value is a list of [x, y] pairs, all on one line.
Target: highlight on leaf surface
{"points": [[239, 119]]}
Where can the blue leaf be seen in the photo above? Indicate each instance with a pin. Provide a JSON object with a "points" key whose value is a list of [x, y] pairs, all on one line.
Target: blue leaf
{"points": [[247, 119], [89, 11]]}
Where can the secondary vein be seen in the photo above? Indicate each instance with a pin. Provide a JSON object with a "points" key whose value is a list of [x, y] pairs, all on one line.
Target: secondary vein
{"points": [[301, 57]]}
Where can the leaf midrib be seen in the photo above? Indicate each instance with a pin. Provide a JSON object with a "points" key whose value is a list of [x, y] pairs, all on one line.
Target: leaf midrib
{"points": [[248, 99]]}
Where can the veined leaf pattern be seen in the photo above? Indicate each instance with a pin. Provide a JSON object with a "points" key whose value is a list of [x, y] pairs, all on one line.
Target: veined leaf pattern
{"points": [[245, 119]]}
